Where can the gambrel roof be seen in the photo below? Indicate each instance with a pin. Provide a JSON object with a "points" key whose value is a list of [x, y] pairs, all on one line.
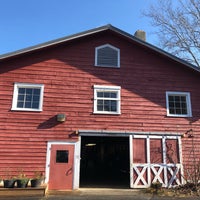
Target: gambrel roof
{"points": [[94, 31]]}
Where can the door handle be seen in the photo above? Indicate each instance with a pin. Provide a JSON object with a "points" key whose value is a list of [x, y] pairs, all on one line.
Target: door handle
{"points": [[69, 171]]}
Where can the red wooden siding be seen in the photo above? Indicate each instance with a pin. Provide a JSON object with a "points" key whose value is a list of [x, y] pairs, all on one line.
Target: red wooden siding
{"points": [[68, 74]]}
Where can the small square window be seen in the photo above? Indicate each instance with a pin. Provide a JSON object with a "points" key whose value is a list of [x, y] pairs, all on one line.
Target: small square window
{"points": [[107, 99], [178, 104], [62, 156], [28, 97]]}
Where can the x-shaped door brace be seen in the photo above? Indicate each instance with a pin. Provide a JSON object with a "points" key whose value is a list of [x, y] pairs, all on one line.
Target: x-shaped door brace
{"points": [[141, 181], [157, 173], [140, 175], [173, 174]]}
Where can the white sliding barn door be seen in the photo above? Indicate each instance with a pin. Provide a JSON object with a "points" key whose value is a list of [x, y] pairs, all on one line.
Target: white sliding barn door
{"points": [[155, 158]]}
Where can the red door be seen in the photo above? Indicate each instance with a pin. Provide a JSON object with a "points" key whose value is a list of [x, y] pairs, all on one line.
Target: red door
{"points": [[61, 167]]}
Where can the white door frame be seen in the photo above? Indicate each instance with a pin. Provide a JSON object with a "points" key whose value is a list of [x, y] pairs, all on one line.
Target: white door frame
{"points": [[76, 167]]}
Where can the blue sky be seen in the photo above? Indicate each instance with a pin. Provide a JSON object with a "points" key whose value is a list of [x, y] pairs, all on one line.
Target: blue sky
{"points": [[24, 23]]}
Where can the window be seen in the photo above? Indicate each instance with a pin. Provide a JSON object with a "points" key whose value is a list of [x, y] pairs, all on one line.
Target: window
{"points": [[178, 104], [27, 97], [107, 99], [107, 56], [62, 156]]}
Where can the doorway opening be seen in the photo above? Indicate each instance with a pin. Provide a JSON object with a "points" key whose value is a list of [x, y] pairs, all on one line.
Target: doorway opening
{"points": [[104, 162]]}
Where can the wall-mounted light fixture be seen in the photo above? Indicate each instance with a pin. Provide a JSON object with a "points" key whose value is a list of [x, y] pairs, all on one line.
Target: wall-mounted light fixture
{"points": [[188, 133], [61, 117]]}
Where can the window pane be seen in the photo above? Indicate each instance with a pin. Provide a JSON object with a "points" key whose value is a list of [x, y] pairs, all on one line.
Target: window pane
{"points": [[106, 94], [177, 98], [106, 108], [20, 104], [35, 105], [184, 111], [171, 98], [28, 104], [29, 91], [62, 156], [21, 90], [21, 97], [113, 106], [183, 98], [36, 98], [113, 109], [106, 105], [171, 111], [113, 95], [28, 97], [177, 105], [36, 92], [99, 107], [99, 94], [106, 102], [183, 105], [178, 111], [99, 102], [171, 104]]}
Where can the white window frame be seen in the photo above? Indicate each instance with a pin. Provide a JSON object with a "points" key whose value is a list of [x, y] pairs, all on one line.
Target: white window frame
{"points": [[101, 88], [188, 102], [27, 85], [110, 46]]}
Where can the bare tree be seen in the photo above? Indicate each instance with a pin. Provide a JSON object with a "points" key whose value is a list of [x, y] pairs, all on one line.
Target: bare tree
{"points": [[177, 25]]}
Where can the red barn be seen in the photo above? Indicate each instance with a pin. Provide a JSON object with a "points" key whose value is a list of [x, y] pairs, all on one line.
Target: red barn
{"points": [[99, 108]]}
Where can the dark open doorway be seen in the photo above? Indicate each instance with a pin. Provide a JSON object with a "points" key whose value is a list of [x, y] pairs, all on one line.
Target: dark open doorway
{"points": [[104, 162]]}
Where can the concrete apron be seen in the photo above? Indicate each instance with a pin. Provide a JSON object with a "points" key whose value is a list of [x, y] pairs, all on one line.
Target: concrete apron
{"points": [[99, 192]]}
